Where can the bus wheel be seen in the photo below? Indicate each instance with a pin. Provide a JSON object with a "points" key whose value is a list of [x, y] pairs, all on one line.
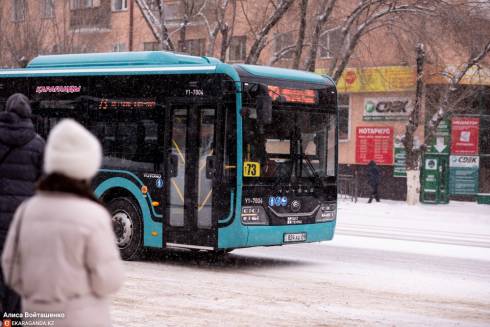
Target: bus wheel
{"points": [[126, 221]]}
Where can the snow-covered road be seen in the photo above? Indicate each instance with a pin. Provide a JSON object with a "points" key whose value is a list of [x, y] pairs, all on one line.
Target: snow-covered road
{"points": [[389, 265]]}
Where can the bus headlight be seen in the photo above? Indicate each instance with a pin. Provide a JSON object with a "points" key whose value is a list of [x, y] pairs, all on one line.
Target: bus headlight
{"points": [[327, 212], [254, 216]]}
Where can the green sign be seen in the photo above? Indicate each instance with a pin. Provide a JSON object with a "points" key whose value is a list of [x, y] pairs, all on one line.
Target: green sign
{"points": [[399, 166], [440, 143], [387, 108], [463, 175], [431, 175], [434, 179]]}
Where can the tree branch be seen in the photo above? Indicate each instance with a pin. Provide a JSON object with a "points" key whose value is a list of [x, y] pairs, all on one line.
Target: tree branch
{"points": [[259, 42]]}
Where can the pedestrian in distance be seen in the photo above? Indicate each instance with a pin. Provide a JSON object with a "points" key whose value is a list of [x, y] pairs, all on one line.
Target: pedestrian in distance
{"points": [[61, 254], [373, 174], [21, 156]]}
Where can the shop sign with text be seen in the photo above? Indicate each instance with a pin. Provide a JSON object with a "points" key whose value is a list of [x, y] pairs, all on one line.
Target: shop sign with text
{"points": [[464, 135], [387, 108], [374, 143], [463, 175], [399, 167], [375, 79]]}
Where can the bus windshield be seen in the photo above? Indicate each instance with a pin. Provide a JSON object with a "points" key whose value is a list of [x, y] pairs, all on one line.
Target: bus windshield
{"points": [[299, 142]]}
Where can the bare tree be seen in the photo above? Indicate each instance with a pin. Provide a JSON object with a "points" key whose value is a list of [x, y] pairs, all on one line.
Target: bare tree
{"points": [[324, 11], [367, 17], [46, 30], [192, 10], [72, 29], [462, 25], [301, 33], [261, 32], [218, 23], [412, 154], [30, 37], [154, 13], [293, 48]]}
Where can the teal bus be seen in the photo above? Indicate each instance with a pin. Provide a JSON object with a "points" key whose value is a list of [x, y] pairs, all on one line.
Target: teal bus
{"points": [[198, 154]]}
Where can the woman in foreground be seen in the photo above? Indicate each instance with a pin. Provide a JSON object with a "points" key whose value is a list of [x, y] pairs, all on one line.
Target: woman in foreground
{"points": [[61, 254]]}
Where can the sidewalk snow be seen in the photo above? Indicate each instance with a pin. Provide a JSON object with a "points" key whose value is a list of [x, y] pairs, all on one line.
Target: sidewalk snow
{"points": [[457, 229]]}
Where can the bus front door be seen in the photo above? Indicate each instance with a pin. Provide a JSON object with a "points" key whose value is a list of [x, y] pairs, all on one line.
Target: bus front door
{"points": [[190, 142]]}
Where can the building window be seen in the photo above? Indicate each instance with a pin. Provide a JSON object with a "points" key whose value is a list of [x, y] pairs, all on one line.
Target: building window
{"points": [[47, 8], [172, 10], [119, 5], [82, 4], [119, 47], [19, 10], [238, 48], [344, 121], [331, 43], [193, 47], [152, 46], [283, 43]]}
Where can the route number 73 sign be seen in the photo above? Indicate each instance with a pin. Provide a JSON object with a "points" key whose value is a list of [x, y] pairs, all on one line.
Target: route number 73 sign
{"points": [[251, 169]]}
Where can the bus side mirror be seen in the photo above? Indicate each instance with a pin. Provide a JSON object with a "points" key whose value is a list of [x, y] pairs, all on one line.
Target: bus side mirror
{"points": [[173, 165]]}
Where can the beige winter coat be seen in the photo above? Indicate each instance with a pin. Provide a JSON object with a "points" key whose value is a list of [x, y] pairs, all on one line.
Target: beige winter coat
{"points": [[67, 259]]}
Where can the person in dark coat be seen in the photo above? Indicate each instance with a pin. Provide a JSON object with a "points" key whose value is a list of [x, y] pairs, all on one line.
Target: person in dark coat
{"points": [[373, 174], [21, 156]]}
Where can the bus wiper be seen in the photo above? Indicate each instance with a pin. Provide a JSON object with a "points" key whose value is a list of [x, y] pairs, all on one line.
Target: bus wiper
{"points": [[317, 177], [309, 164]]}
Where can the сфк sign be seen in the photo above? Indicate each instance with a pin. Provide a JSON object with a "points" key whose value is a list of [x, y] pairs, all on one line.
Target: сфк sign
{"points": [[387, 108]]}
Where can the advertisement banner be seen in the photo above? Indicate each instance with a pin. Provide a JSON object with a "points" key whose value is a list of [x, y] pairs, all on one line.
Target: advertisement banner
{"points": [[375, 79], [476, 75], [374, 143], [399, 167], [387, 108], [464, 135], [463, 175]]}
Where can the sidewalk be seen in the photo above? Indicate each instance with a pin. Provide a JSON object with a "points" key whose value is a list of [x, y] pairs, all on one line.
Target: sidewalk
{"points": [[456, 223]]}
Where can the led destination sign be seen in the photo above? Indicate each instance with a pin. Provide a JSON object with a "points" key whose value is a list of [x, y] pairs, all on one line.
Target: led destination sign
{"points": [[127, 104], [293, 95]]}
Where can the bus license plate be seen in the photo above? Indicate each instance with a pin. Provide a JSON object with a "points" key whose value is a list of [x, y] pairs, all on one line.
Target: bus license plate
{"points": [[294, 237]]}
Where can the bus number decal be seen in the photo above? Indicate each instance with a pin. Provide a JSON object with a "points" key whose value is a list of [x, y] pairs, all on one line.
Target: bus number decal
{"points": [[251, 169], [194, 92]]}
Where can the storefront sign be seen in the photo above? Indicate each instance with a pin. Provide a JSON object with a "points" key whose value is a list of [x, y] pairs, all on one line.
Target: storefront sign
{"points": [[374, 143], [476, 75], [399, 167], [440, 143], [376, 79], [463, 175], [464, 135], [387, 108]]}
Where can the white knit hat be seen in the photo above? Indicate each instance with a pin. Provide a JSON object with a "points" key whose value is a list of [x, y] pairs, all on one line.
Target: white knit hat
{"points": [[73, 151]]}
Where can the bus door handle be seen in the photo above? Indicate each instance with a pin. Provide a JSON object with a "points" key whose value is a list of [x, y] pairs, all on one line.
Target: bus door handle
{"points": [[210, 167], [173, 165]]}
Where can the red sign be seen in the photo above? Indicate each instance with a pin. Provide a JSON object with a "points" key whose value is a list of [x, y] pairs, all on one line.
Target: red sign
{"points": [[374, 143], [464, 135], [350, 77]]}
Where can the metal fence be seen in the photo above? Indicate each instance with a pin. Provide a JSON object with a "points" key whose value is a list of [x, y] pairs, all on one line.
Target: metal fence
{"points": [[348, 187]]}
